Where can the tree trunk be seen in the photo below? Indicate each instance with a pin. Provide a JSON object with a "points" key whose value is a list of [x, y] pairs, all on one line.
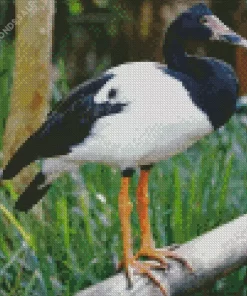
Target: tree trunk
{"points": [[32, 77]]}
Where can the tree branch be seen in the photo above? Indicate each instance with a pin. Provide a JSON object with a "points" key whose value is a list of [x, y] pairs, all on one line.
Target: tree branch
{"points": [[212, 256]]}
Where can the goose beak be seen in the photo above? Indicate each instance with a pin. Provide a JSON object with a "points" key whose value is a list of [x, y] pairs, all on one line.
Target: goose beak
{"points": [[223, 33], [234, 38]]}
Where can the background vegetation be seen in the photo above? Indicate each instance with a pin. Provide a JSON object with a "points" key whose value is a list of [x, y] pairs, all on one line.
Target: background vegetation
{"points": [[75, 241]]}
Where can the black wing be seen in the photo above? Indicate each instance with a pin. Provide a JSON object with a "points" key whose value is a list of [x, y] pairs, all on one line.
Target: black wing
{"points": [[69, 124]]}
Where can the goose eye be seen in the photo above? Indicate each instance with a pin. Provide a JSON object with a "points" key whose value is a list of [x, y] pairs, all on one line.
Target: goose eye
{"points": [[203, 20]]}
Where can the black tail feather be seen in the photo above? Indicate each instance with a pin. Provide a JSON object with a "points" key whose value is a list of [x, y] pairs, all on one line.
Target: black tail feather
{"points": [[33, 193], [20, 159]]}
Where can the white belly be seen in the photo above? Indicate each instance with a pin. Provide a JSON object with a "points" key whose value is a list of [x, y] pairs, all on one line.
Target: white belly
{"points": [[145, 143], [159, 121]]}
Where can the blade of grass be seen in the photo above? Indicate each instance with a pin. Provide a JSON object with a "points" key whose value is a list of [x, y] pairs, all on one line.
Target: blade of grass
{"points": [[178, 232], [191, 224], [29, 287], [63, 220], [26, 236], [222, 204], [86, 217], [10, 188], [14, 258], [6, 63]]}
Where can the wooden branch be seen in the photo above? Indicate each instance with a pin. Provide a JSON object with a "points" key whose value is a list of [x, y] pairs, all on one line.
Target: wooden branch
{"points": [[212, 256]]}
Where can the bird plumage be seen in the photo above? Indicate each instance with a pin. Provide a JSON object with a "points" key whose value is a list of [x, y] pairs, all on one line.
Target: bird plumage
{"points": [[212, 86], [151, 117], [137, 113], [69, 124], [132, 116], [159, 120]]}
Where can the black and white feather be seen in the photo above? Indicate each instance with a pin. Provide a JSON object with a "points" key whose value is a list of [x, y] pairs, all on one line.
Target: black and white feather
{"points": [[137, 113]]}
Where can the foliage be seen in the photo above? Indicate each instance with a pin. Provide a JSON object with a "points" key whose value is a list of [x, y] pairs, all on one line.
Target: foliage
{"points": [[75, 7], [6, 66]]}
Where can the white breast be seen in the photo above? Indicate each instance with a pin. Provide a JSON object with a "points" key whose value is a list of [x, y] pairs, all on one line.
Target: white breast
{"points": [[159, 121]]}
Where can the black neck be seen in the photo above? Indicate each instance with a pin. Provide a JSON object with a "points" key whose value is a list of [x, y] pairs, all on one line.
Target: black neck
{"points": [[174, 52], [177, 59], [219, 100]]}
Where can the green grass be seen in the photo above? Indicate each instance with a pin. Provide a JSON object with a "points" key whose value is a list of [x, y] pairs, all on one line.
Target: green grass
{"points": [[75, 240], [6, 66]]}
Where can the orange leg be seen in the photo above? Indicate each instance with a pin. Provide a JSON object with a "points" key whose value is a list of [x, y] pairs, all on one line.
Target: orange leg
{"points": [[147, 243], [125, 208], [129, 262]]}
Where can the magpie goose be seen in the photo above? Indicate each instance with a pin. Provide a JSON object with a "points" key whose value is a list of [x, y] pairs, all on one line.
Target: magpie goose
{"points": [[135, 115]]}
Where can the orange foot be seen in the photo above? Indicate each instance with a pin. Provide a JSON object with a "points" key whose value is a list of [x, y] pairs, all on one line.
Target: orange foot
{"points": [[143, 267], [160, 255]]}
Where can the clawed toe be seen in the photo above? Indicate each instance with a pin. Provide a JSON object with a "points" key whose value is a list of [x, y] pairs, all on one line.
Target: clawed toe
{"points": [[153, 255], [135, 266], [174, 255], [144, 268], [160, 255]]}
